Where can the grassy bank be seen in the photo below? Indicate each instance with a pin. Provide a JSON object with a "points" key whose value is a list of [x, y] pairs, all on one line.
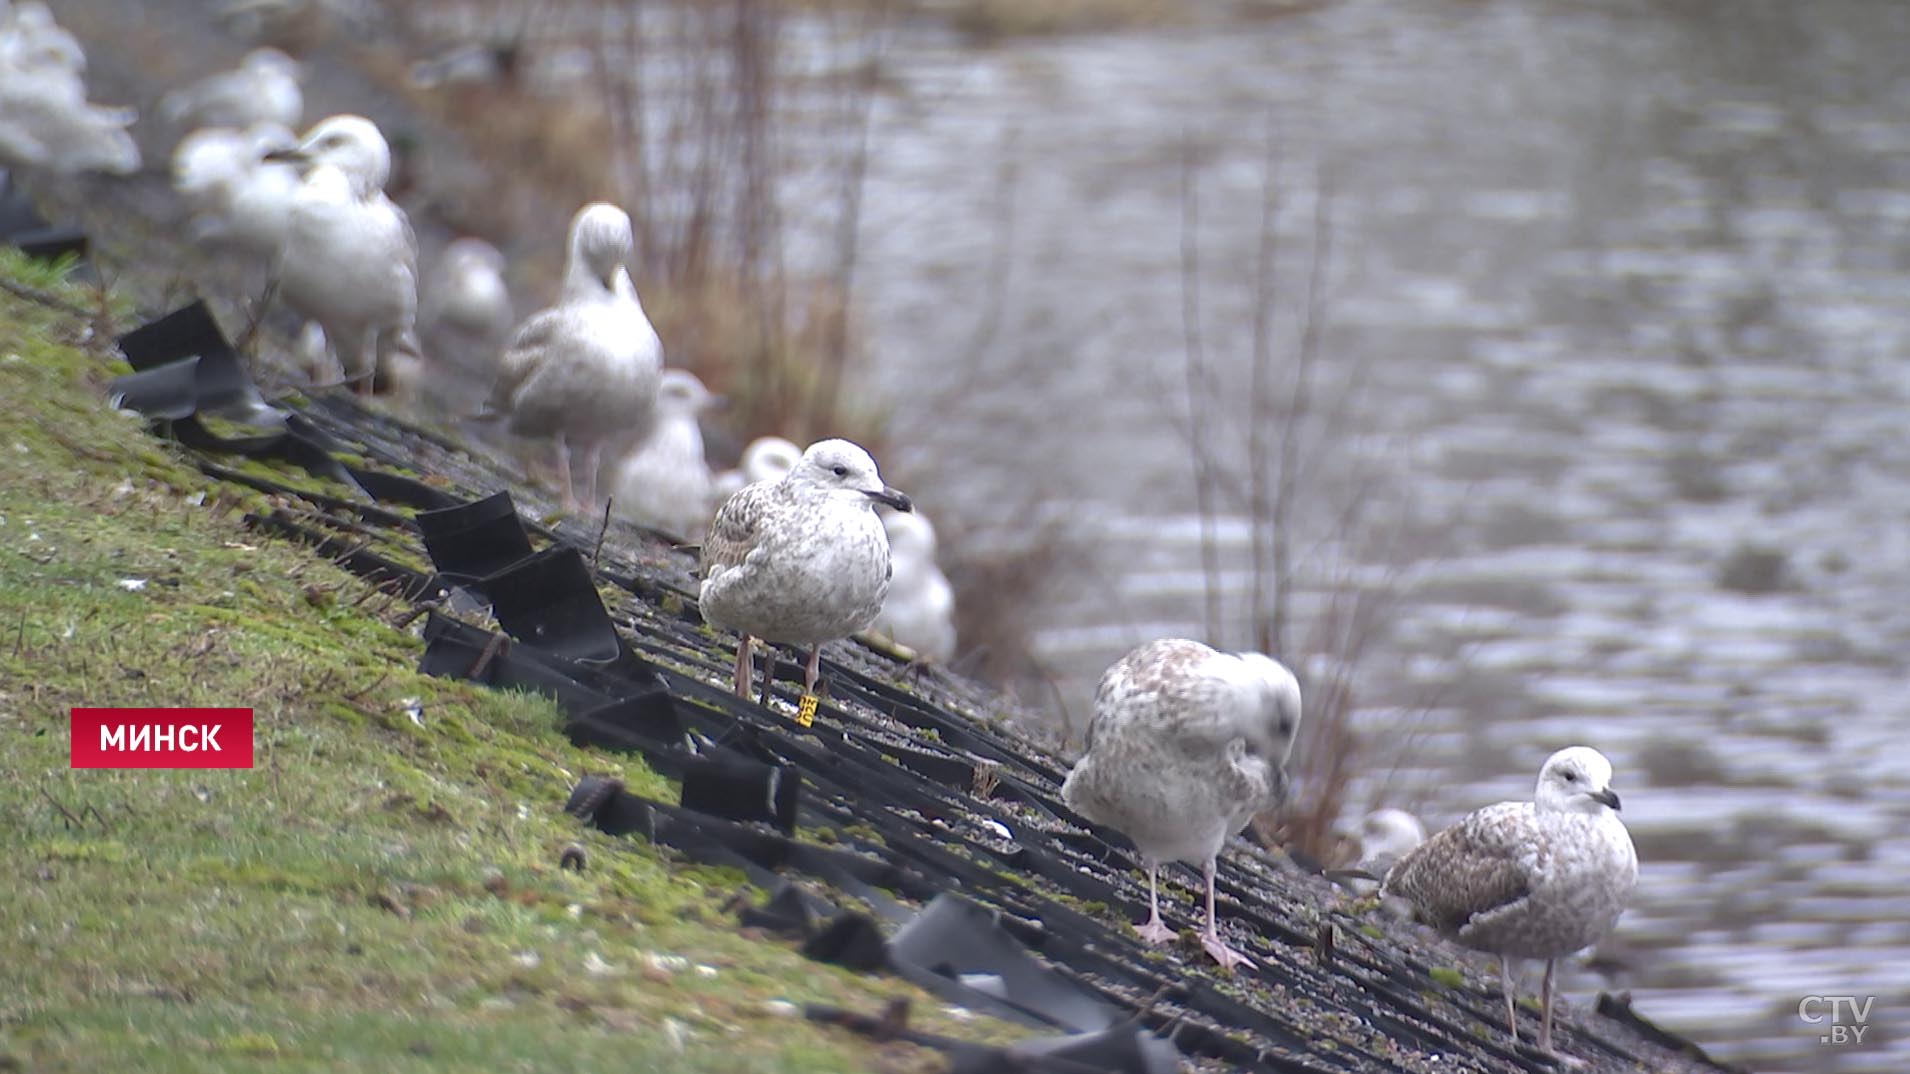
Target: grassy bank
{"points": [[382, 891]]}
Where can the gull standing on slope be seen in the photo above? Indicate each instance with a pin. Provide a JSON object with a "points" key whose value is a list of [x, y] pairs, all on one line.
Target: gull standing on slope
{"points": [[1536, 879], [664, 482], [46, 121], [587, 369], [1186, 745], [350, 260], [920, 610], [801, 560]]}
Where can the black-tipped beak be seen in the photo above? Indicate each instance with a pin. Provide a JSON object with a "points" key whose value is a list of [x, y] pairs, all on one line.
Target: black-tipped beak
{"points": [[294, 155], [1607, 796], [893, 499]]}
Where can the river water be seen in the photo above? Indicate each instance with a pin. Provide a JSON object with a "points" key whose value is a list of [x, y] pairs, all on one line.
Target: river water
{"points": [[1612, 316]]}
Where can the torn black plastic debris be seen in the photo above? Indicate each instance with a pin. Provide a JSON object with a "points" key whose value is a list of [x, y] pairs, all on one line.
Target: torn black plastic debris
{"points": [[853, 941], [475, 540], [734, 787], [550, 601], [163, 393], [953, 937]]}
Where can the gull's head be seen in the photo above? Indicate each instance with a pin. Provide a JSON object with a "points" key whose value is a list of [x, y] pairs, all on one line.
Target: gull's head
{"points": [[473, 256], [839, 468], [1577, 779], [1276, 695], [601, 241], [271, 63], [1389, 833], [768, 458], [352, 144], [681, 394], [910, 535]]}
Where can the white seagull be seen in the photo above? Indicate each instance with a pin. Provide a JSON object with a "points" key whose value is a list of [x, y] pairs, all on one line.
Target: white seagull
{"points": [[801, 560], [1186, 745], [350, 259], [587, 369], [262, 89], [664, 482], [1538, 879], [920, 610]]}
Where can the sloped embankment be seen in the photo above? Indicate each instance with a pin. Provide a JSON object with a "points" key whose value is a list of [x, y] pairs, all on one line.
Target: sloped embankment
{"points": [[386, 885]]}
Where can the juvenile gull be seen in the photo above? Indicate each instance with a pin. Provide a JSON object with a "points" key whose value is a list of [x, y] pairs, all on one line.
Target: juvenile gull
{"points": [[664, 483], [802, 559], [1186, 745], [350, 260], [586, 369], [920, 609], [1538, 879]]}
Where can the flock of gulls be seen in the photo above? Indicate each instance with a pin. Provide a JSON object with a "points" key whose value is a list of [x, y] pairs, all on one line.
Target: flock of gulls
{"points": [[800, 547]]}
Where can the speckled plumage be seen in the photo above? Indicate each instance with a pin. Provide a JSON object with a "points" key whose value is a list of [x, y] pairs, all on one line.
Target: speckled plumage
{"points": [[1186, 745], [803, 559], [1537, 879], [586, 369]]}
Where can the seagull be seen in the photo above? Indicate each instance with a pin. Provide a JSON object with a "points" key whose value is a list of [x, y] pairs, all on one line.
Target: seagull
{"points": [[238, 198], [1538, 879], [802, 559], [46, 121], [765, 459], [664, 482], [1386, 835], [350, 259], [920, 610], [587, 369], [464, 317], [262, 89], [1187, 744]]}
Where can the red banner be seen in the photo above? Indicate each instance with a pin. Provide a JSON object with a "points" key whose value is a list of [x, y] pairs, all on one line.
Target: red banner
{"points": [[162, 738]]}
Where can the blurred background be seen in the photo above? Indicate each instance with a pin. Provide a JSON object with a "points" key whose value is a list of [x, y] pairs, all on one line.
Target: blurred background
{"points": [[1523, 372]]}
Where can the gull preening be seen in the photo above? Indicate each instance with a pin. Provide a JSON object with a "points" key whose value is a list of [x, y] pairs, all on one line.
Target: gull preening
{"points": [[587, 369], [46, 121], [350, 260], [238, 198], [801, 560], [262, 89], [1538, 879], [1187, 744], [664, 482], [920, 610]]}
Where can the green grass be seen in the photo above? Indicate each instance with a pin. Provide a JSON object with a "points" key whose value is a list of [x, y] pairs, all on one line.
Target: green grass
{"points": [[379, 892]]}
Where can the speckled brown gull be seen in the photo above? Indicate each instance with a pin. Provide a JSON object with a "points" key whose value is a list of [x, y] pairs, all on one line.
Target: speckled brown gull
{"points": [[586, 369], [1538, 879], [803, 559], [1186, 745]]}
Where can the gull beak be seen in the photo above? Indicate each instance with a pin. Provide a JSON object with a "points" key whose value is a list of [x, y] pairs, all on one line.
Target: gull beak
{"points": [[1606, 797], [294, 155], [892, 498]]}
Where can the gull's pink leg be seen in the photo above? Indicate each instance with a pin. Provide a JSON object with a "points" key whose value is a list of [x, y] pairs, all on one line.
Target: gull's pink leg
{"points": [[742, 667], [813, 672], [1153, 930], [1210, 938], [563, 473]]}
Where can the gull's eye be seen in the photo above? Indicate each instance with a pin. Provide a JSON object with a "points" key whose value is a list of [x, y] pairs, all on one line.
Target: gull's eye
{"points": [[1571, 777], [839, 470]]}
